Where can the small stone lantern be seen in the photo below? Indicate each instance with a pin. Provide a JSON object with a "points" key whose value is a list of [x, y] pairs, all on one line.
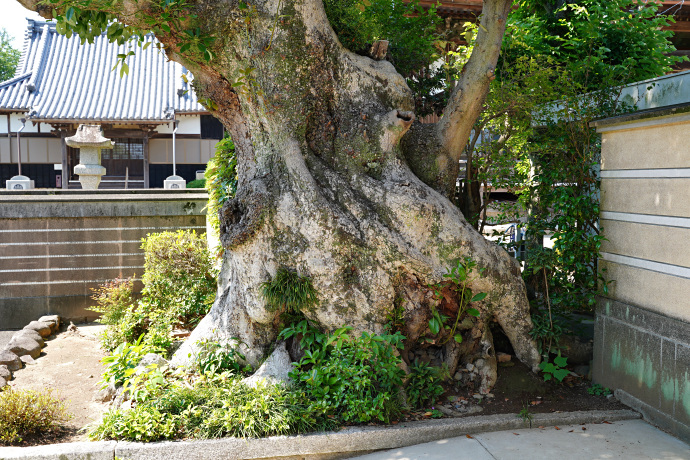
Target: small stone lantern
{"points": [[90, 141]]}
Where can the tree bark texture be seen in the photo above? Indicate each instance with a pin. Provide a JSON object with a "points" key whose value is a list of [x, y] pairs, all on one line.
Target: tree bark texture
{"points": [[325, 184]]}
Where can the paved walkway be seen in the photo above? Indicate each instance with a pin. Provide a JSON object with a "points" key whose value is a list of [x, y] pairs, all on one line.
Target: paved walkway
{"points": [[629, 439]]}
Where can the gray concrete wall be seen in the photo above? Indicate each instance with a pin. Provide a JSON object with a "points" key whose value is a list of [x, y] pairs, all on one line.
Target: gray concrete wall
{"points": [[55, 247], [642, 339]]}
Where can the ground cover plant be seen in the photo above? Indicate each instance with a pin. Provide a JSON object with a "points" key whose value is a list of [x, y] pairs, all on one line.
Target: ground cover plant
{"points": [[26, 412], [179, 288]]}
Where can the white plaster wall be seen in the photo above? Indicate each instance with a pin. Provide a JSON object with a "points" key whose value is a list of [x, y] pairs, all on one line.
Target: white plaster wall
{"points": [[16, 124], [189, 124], [645, 204]]}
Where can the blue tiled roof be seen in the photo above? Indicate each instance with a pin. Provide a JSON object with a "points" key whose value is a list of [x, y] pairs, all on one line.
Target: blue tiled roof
{"points": [[60, 79]]}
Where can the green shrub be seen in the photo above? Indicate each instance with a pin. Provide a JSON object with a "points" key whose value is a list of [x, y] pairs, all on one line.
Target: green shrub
{"points": [[198, 183], [28, 412], [424, 384], [221, 179], [114, 300], [179, 289], [356, 379]]}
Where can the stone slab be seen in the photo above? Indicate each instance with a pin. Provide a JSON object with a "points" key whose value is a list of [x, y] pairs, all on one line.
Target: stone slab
{"points": [[9, 359], [444, 449], [43, 329], [632, 439], [67, 451]]}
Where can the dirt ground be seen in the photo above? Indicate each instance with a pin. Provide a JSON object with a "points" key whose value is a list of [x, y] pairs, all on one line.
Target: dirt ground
{"points": [[70, 365]]}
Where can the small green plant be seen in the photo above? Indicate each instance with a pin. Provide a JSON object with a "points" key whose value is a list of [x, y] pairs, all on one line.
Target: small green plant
{"points": [[144, 386], [121, 362], [525, 415], [598, 390], [355, 379], [28, 412], [556, 369], [424, 384], [143, 423], [458, 279], [213, 357], [435, 413], [289, 292], [395, 319], [546, 331]]}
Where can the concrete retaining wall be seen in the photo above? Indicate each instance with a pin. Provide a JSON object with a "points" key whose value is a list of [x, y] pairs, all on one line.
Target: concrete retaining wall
{"points": [[642, 335], [55, 246]]}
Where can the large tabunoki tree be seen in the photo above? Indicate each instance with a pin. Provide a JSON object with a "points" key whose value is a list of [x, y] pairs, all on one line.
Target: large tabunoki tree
{"points": [[335, 178]]}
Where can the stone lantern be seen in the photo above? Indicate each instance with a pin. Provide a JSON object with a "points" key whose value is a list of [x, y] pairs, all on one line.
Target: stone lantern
{"points": [[90, 141]]}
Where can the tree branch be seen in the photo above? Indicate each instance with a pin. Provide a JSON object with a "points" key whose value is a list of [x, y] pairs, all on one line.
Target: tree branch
{"points": [[433, 151], [468, 96]]}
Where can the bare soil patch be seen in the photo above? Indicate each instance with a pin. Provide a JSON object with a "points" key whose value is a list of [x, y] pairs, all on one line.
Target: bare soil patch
{"points": [[70, 364]]}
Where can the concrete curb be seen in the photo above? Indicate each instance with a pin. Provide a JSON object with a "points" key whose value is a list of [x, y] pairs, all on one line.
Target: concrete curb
{"points": [[345, 443]]}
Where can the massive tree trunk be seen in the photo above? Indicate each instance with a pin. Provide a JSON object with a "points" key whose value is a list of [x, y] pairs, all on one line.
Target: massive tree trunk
{"points": [[325, 185]]}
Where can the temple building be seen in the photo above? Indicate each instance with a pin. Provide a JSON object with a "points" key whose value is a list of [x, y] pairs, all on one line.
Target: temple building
{"points": [[60, 84]]}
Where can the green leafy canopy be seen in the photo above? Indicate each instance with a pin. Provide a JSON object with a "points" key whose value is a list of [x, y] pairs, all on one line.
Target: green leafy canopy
{"points": [[9, 57]]}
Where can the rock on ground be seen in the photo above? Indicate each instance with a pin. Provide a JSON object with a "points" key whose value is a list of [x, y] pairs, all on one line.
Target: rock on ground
{"points": [[22, 345], [53, 320], [274, 370], [150, 360], [42, 328], [28, 360], [5, 372], [32, 334], [577, 351], [10, 359]]}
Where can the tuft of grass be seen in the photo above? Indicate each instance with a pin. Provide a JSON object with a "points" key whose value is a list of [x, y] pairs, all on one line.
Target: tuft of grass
{"points": [[288, 291], [28, 412]]}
